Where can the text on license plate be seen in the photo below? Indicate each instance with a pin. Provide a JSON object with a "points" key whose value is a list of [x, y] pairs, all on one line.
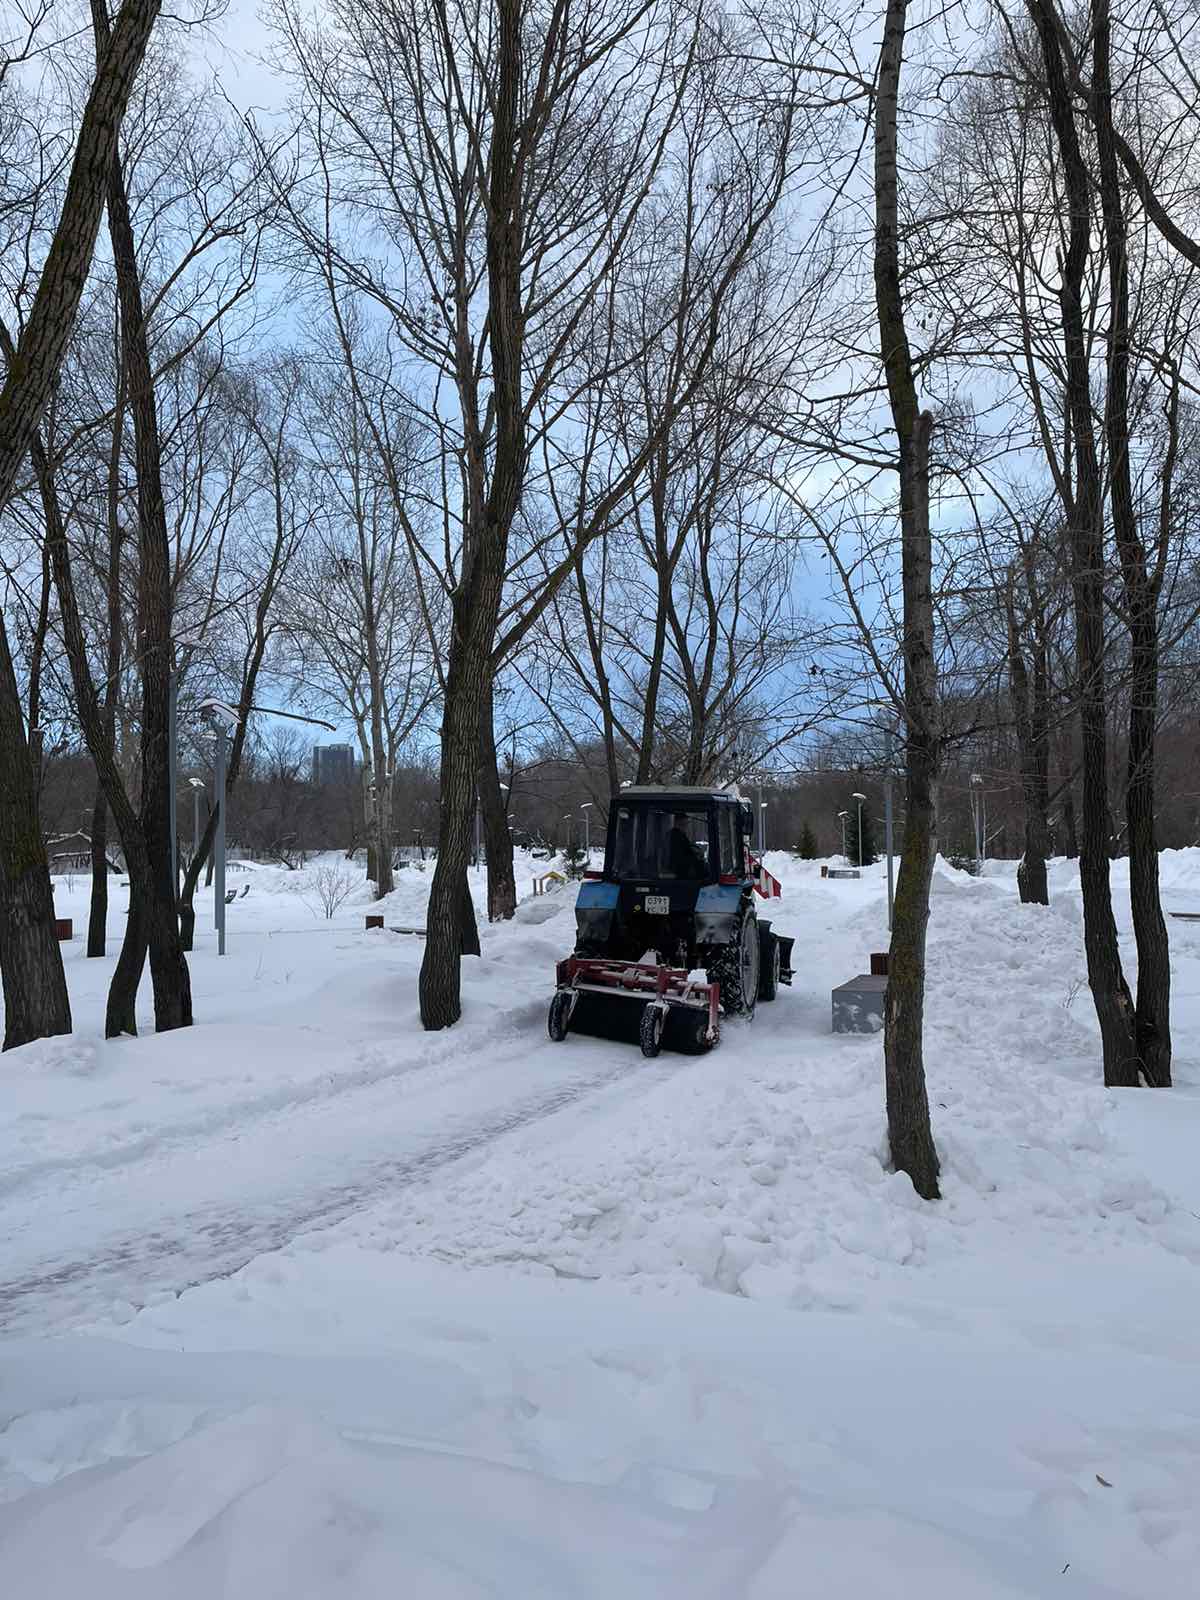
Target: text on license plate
{"points": [[658, 905]]}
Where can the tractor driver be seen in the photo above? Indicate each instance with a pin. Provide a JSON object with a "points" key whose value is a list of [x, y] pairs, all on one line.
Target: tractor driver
{"points": [[683, 858]]}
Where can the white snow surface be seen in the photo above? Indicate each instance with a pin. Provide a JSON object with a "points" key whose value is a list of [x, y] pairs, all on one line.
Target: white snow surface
{"points": [[305, 1302]]}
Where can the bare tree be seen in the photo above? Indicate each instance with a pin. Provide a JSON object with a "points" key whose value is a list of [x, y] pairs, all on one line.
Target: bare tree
{"points": [[161, 352], [279, 517], [909, 1131], [35, 991], [1084, 501], [366, 640]]}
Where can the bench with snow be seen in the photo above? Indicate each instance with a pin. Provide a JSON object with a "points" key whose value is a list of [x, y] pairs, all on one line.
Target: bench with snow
{"points": [[840, 872], [374, 920]]}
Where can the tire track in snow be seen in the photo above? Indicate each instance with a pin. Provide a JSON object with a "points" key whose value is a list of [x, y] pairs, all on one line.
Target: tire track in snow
{"points": [[373, 1066], [181, 1252]]}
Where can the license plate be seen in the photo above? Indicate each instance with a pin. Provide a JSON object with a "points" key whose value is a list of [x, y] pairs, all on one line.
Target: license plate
{"points": [[658, 905]]}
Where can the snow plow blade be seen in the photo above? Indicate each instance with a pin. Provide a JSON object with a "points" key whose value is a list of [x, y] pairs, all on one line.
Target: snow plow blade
{"points": [[635, 1002]]}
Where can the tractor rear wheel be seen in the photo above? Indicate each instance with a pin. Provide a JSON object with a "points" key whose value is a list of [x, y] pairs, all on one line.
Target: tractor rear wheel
{"points": [[736, 967], [768, 977]]}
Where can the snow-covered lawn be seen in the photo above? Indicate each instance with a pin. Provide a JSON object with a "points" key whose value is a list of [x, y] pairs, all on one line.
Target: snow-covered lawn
{"points": [[305, 1302]]}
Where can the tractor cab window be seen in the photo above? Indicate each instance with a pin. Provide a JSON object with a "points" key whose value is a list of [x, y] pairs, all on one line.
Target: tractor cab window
{"points": [[733, 861], [661, 842]]}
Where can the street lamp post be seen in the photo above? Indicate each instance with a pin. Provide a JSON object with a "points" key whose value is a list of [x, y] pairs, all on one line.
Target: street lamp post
{"points": [[762, 827], [887, 830], [860, 798], [219, 853], [197, 790], [173, 769], [842, 815], [587, 831], [567, 819], [479, 822], [977, 814]]}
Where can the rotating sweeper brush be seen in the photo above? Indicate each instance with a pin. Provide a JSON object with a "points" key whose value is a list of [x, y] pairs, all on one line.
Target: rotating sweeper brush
{"points": [[667, 936], [642, 1002]]}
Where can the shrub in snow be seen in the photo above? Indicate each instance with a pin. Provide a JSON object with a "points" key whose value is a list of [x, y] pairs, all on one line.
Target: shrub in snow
{"points": [[331, 884]]}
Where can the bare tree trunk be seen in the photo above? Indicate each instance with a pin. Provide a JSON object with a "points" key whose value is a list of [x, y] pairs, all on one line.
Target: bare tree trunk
{"points": [[664, 568], [1030, 711], [909, 1133], [37, 653], [449, 897], [379, 867], [168, 965], [468, 928], [1085, 513], [98, 914], [30, 960], [384, 883], [191, 877], [120, 1010], [501, 874], [476, 603], [36, 1004], [97, 938], [1153, 1011], [98, 728]]}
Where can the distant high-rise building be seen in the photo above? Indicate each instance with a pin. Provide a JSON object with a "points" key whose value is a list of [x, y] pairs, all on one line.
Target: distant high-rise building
{"points": [[333, 763]]}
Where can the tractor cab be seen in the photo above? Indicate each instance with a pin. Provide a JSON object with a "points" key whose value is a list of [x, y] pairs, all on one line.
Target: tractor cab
{"points": [[676, 871], [677, 837]]}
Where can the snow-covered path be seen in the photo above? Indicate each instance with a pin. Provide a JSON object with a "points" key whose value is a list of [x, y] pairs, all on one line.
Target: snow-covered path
{"points": [[354, 1310], [158, 1216], [137, 1169], [335, 1100]]}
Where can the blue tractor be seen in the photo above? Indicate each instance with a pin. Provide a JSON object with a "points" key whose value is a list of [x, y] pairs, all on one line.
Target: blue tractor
{"points": [[668, 938]]}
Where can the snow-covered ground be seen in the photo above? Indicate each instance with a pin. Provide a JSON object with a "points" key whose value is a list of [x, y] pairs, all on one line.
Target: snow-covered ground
{"points": [[305, 1302]]}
